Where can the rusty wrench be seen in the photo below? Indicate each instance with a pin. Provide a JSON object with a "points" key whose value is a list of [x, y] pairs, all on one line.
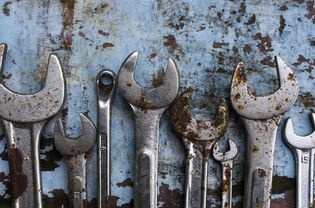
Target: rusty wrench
{"points": [[199, 138], [105, 87], [261, 116], [75, 153], [304, 149], [24, 117], [226, 160], [148, 105]]}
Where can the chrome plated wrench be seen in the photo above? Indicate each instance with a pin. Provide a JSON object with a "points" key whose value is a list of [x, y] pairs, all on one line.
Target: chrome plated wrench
{"points": [[148, 105], [304, 149], [261, 116], [226, 160], [199, 138], [105, 87], [24, 117], [75, 152]]}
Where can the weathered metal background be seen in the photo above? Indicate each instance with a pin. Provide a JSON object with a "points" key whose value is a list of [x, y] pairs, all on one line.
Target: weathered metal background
{"points": [[206, 38]]}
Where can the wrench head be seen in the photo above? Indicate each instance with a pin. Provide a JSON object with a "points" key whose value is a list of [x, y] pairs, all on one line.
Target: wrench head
{"points": [[106, 88], [147, 98], [75, 146], [225, 156], [38, 106], [196, 130], [264, 107], [299, 142]]}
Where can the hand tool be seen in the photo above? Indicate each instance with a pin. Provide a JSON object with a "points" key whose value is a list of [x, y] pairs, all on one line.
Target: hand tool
{"points": [[226, 160], [261, 117], [105, 87], [148, 105], [24, 117], [199, 138], [304, 149], [75, 153]]}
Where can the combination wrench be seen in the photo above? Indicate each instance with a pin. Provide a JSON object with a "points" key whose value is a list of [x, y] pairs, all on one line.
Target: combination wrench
{"points": [[304, 149], [261, 117], [24, 117], [75, 153], [105, 87], [226, 160], [199, 138], [148, 105]]}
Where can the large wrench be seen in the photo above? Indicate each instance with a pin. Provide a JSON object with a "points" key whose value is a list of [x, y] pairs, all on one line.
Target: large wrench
{"points": [[261, 117], [105, 93], [304, 149], [148, 105], [75, 153], [226, 160], [199, 138], [24, 117]]}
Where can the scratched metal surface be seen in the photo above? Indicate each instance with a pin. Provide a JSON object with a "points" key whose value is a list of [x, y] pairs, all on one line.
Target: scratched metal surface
{"points": [[206, 39]]}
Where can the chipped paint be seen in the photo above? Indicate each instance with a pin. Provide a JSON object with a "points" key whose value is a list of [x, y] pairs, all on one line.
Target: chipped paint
{"points": [[207, 39]]}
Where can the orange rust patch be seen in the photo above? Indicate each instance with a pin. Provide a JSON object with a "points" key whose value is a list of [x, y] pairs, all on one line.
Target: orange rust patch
{"points": [[255, 149]]}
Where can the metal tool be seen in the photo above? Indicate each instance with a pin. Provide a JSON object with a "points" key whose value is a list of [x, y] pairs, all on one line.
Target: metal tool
{"points": [[304, 149], [105, 87], [24, 117], [75, 153], [226, 160], [261, 117], [199, 138], [148, 105]]}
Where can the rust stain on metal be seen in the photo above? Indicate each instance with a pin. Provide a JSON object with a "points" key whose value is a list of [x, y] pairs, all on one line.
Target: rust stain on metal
{"points": [[255, 149], [52, 157], [310, 11], [16, 173], [125, 183], [5, 8], [307, 99], [101, 32], [264, 43], [170, 43], [158, 78], [67, 17], [219, 44], [282, 24], [145, 104], [170, 198], [251, 20], [247, 49], [107, 45]]}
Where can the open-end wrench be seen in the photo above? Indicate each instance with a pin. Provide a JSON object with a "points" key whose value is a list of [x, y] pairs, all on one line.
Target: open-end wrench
{"points": [[199, 138], [261, 117], [75, 153], [304, 149], [148, 105], [24, 117], [105, 87], [226, 160]]}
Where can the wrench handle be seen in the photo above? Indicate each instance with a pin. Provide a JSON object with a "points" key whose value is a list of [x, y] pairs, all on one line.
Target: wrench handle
{"points": [[196, 176], [146, 156], [23, 151], [77, 180], [261, 137], [304, 178], [227, 174]]}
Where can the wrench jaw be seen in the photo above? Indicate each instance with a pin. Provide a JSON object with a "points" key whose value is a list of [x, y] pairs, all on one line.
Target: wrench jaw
{"points": [[299, 142], [194, 130], [147, 98], [71, 147], [226, 156], [253, 107], [35, 107]]}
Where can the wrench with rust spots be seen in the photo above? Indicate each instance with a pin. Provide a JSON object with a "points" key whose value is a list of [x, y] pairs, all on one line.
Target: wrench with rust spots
{"points": [[199, 138], [226, 160], [24, 117], [304, 149], [148, 105], [261, 117], [75, 153]]}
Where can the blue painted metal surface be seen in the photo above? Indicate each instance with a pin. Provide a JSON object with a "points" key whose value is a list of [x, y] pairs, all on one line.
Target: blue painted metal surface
{"points": [[206, 38]]}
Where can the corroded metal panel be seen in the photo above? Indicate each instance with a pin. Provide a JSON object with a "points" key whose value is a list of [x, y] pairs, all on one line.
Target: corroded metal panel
{"points": [[207, 39]]}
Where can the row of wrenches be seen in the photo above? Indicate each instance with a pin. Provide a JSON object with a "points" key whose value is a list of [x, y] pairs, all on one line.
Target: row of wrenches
{"points": [[24, 117]]}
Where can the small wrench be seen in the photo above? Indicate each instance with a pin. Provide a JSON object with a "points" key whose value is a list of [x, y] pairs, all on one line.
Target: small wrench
{"points": [[75, 153], [105, 87], [24, 117], [304, 149], [148, 105], [261, 116], [226, 160], [199, 138]]}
